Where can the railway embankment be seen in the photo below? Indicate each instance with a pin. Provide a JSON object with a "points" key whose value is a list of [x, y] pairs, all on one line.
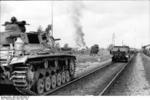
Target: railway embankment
{"points": [[135, 80], [146, 63]]}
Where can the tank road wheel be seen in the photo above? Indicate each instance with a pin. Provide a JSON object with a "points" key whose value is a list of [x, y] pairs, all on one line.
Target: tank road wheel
{"points": [[58, 79], [63, 77], [47, 83], [40, 86], [67, 76], [54, 81], [72, 69]]}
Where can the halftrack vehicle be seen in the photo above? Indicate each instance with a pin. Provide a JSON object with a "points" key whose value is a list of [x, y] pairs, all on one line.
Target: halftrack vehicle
{"points": [[31, 62], [120, 53]]}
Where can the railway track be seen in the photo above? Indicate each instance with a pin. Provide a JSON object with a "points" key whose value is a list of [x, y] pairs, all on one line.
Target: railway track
{"points": [[108, 86]]}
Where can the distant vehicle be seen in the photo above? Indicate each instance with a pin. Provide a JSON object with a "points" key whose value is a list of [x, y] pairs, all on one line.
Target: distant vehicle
{"points": [[146, 50], [133, 51], [120, 53]]}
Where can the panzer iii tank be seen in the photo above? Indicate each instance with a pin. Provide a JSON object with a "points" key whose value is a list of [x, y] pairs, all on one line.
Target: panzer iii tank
{"points": [[30, 61]]}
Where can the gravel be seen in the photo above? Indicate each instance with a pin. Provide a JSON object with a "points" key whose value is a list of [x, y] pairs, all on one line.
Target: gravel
{"points": [[133, 80], [146, 63]]}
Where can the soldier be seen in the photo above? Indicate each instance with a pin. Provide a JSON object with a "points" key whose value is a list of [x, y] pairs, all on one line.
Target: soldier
{"points": [[22, 26], [13, 20], [49, 29]]}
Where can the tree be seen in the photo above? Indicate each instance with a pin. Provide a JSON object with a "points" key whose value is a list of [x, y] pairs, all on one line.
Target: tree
{"points": [[67, 48], [94, 49], [110, 47], [40, 29]]}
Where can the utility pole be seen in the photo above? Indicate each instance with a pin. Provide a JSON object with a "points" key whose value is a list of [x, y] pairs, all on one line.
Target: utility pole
{"points": [[52, 17], [122, 42], [113, 38]]}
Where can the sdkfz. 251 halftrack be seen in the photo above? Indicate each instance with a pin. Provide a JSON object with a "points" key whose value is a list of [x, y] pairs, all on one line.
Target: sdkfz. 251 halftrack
{"points": [[120, 53]]}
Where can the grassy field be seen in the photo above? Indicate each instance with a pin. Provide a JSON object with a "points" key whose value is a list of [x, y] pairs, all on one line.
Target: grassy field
{"points": [[86, 62], [101, 56]]}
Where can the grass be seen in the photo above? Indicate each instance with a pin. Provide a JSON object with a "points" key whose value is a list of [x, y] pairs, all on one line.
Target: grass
{"points": [[102, 56], [87, 58]]}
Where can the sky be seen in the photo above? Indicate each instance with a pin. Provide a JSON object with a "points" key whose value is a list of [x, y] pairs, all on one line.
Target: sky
{"points": [[128, 20]]}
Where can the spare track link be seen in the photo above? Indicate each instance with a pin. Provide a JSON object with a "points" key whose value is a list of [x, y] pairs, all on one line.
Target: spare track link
{"points": [[19, 79]]}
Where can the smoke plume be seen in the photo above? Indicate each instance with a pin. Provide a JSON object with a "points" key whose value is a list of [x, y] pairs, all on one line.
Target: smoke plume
{"points": [[76, 15]]}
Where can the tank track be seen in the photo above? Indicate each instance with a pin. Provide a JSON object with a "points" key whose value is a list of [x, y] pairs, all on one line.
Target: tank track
{"points": [[19, 79], [19, 75]]}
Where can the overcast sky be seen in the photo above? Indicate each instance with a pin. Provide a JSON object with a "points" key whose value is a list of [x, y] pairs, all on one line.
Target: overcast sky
{"points": [[129, 20]]}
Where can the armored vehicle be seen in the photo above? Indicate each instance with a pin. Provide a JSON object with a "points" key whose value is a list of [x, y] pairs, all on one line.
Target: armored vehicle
{"points": [[120, 53], [30, 60]]}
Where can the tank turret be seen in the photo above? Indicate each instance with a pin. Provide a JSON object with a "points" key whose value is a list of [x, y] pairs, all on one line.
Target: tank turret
{"points": [[13, 29], [34, 41], [15, 25]]}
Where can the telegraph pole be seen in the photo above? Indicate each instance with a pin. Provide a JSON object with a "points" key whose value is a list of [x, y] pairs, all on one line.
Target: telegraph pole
{"points": [[52, 17], [122, 42], [113, 38]]}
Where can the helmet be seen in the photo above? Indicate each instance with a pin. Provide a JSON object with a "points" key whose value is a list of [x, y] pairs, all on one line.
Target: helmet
{"points": [[24, 22], [13, 19]]}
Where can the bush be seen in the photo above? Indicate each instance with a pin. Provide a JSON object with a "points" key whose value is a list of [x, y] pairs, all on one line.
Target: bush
{"points": [[94, 49]]}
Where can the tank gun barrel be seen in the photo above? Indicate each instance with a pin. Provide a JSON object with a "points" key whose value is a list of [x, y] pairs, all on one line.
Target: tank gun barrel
{"points": [[57, 39], [27, 24]]}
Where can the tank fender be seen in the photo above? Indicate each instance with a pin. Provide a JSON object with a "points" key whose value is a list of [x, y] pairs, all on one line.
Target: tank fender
{"points": [[21, 59]]}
